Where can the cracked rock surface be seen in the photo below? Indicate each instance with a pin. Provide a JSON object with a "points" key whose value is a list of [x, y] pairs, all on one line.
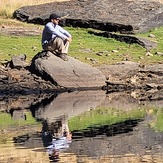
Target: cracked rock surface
{"points": [[112, 15]]}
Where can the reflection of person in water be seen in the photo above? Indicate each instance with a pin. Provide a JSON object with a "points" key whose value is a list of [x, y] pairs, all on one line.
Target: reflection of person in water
{"points": [[58, 145], [56, 138]]}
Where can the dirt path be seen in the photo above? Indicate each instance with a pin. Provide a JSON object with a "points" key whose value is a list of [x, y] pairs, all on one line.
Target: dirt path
{"points": [[20, 31]]}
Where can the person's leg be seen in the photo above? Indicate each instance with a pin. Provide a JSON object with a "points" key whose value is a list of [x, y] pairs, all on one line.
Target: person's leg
{"points": [[48, 47], [66, 47], [60, 45], [61, 48]]}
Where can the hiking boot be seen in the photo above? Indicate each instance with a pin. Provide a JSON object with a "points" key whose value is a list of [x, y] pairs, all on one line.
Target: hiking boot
{"points": [[64, 57]]}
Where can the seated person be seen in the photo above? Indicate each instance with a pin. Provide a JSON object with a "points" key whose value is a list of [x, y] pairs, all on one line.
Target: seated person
{"points": [[55, 38]]}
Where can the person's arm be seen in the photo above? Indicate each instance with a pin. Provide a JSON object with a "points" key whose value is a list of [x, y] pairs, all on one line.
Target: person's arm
{"points": [[51, 29], [64, 32]]}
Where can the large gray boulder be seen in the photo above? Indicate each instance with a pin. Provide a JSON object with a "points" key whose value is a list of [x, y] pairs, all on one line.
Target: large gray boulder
{"points": [[68, 74], [108, 15]]}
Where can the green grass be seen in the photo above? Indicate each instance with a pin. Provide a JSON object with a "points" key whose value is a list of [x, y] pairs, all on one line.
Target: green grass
{"points": [[158, 32], [103, 116], [88, 45], [7, 120], [84, 45], [15, 45]]}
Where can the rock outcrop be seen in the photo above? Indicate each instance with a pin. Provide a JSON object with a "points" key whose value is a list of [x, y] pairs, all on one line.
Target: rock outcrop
{"points": [[113, 15], [134, 75], [72, 74]]}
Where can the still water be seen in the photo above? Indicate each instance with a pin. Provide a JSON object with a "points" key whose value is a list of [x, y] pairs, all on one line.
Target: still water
{"points": [[81, 127]]}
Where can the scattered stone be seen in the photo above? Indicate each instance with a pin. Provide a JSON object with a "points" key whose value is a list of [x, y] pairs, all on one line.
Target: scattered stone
{"points": [[99, 54], [134, 79], [23, 57], [17, 62], [159, 53], [94, 62], [151, 35], [92, 59], [19, 115], [141, 57], [13, 48], [34, 48], [87, 58], [134, 94], [86, 50], [115, 51], [148, 44], [3, 77], [108, 55], [149, 54]]}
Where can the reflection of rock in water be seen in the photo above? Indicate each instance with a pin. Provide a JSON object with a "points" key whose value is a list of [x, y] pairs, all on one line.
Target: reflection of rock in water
{"points": [[134, 99], [70, 104], [24, 102]]}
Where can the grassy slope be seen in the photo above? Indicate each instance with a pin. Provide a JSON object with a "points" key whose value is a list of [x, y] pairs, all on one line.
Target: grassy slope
{"points": [[83, 46]]}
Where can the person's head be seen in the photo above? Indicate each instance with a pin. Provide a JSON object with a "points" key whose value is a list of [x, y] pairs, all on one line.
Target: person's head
{"points": [[54, 18]]}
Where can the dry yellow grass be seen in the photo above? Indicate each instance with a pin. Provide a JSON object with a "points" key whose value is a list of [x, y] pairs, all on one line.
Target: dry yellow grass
{"points": [[9, 6]]}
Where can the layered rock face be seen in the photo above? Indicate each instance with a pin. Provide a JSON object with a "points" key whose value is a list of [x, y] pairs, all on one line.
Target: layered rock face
{"points": [[113, 15]]}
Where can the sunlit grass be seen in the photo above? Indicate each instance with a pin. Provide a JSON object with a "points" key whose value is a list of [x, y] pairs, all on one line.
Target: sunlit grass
{"points": [[9, 6], [84, 45], [88, 45], [158, 33], [15, 45]]}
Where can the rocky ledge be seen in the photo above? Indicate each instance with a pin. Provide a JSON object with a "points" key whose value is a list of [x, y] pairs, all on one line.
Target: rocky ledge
{"points": [[126, 16]]}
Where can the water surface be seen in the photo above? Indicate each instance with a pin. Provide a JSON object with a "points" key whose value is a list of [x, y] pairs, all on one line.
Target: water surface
{"points": [[81, 127]]}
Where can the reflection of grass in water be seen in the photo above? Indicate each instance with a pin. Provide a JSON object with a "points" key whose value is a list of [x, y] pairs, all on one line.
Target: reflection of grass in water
{"points": [[10, 128], [6, 120], [103, 116], [158, 125]]}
